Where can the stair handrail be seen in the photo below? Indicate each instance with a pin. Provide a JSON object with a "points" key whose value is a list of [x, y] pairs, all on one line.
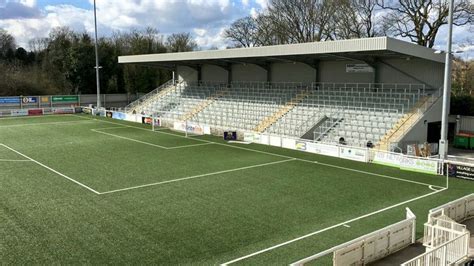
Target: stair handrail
{"points": [[145, 97], [425, 107], [332, 124]]}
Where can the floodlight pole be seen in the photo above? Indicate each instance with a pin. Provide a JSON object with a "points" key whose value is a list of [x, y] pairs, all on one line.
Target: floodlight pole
{"points": [[443, 142], [96, 58]]}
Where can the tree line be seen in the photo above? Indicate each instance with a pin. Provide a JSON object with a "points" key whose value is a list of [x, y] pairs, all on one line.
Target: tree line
{"points": [[64, 62], [289, 21]]}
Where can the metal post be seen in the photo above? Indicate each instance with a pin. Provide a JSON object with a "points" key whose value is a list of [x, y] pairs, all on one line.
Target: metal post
{"points": [[96, 58], [443, 142]]}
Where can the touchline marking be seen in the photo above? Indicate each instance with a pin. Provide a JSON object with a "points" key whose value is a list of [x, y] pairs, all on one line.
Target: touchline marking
{"points": [[331, 227], [197, 176], [50, 169], [49, 123], [8, 160], [283, 156]]}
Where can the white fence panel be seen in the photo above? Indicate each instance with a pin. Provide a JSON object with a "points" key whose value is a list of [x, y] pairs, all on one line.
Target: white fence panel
{"points": [[275, 141], [373, 246], [453, 251], [458, 210]]}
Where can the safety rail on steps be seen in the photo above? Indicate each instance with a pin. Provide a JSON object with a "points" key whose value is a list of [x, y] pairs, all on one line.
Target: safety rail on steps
{"points": [[332, 122], [405, 126], [149, 95]]}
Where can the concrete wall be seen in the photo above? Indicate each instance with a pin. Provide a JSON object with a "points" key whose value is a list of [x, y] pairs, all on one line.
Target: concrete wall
{"points": [[186, 74], [248, 72], [416, 71], [419, 133], [466, 123], [292, 72], [424, 71], [212, 73], [335, 71]]}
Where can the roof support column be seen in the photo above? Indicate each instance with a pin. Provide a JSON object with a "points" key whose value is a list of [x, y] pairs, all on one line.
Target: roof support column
{"points": [[375, 66], [317, 66], [229, 75], [268, 68], [199, 72]]}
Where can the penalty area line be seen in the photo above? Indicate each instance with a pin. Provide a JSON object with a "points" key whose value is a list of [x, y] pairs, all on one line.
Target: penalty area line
{"points": [[196, 176], [330, 227], [50, 169]]}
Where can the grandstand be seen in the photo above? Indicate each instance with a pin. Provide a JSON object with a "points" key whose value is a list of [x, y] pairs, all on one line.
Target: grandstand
{"points": [[380, 90], [102, 186]]}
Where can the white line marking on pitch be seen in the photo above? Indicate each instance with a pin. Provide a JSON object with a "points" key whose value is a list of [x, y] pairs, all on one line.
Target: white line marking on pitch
{"points": [[50, 169], [129, 139], [144, 142], [48, 123], [29, 117], [9, 160], [346, 225], [331, 227], [284, 156], [197, 176], [190, 145]]}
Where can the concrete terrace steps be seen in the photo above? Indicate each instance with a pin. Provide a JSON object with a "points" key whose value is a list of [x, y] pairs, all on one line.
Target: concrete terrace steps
{"points": [[406, 121], [268, 121], [200, 107]]}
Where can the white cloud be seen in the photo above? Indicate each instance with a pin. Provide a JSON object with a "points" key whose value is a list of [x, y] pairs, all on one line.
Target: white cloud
{"points": [[205, 19], [262, 3], [28, 3]]}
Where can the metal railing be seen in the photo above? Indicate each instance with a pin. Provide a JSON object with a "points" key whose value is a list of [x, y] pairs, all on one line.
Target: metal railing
{"points": [[406, 126], [147, 96], [453, 251], [366, 243]]}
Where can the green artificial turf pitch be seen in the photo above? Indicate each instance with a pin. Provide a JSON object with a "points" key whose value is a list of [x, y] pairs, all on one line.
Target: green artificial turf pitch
{"points": [[81, 189]]}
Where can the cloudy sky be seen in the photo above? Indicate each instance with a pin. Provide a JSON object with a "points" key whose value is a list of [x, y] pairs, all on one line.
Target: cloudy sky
{"points": [[205, 19]]}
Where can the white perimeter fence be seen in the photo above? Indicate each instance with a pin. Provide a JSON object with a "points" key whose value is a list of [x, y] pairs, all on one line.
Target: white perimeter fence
{"points": [[446, 241], [373, 246]]}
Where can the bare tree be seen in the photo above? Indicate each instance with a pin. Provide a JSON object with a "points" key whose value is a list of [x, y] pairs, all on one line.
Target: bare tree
{"points": [[243, 32], [181, 42], [7, 43], [38, 45], [356, 19], [421, 20], [301, 21]]}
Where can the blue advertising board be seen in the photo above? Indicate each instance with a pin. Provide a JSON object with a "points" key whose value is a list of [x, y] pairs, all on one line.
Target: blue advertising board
{"points": [[9, 100], [29, 100]]}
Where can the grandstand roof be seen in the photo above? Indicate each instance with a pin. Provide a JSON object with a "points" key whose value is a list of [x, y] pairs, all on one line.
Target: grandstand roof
{"points": [[354, 49]]}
